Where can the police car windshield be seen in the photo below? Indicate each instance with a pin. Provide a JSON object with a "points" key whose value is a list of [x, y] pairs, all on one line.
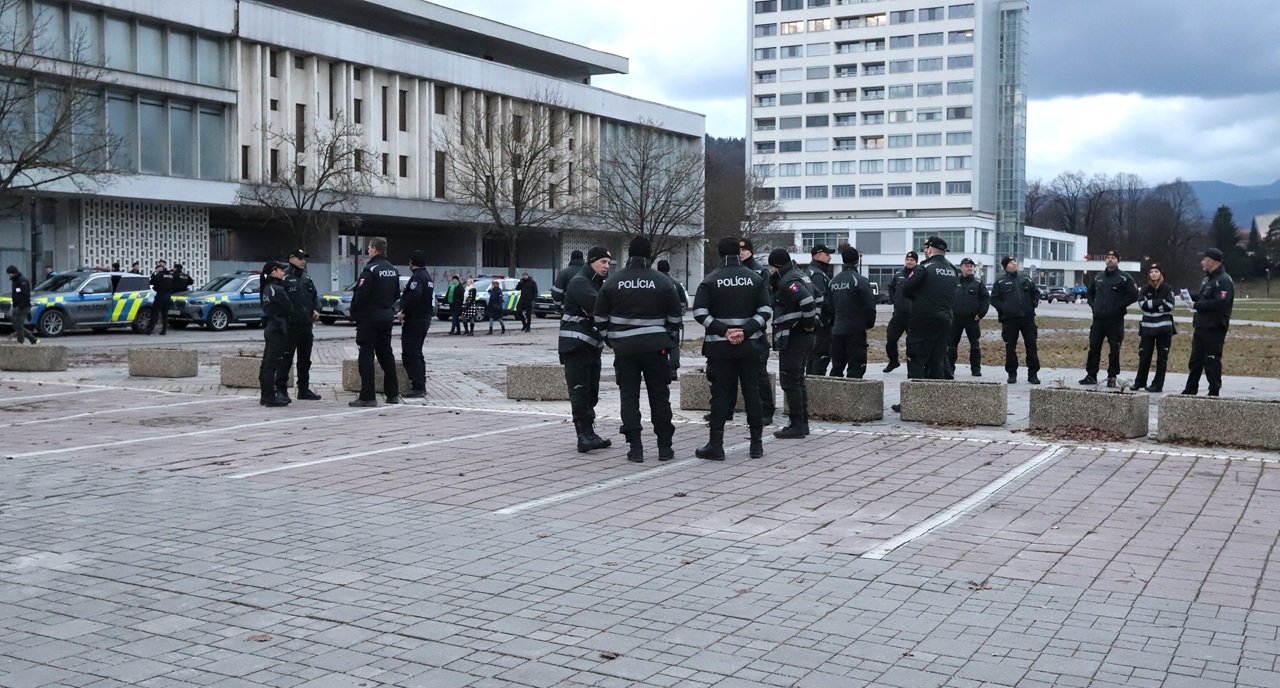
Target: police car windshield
{"points": [[64, 283], [223, 283]]}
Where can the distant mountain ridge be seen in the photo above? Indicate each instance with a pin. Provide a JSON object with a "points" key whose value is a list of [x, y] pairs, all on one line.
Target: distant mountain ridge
{"points": [[1246, 202]]}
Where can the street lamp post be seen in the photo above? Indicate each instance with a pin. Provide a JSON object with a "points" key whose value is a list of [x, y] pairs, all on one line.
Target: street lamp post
{"points": [[1268, 282], [355, 221]]}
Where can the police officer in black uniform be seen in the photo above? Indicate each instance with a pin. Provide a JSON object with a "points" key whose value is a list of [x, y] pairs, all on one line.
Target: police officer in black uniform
{"points": [[854, 304], [162, 285], [562, 278], [820, 276], [732, 303], [795, 316], [768, 405], [580, 345], [973, 301], [932, 291], [901, 310], [372, 308], [638, 311], [277, 312], [1110, 294], [1015, 299], [1212, 306], [306, 308], [673, 354], [21, 305], [417, 305]]}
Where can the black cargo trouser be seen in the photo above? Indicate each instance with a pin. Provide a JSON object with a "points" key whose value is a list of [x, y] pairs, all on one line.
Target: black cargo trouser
{"points": [[791, 367], [1206, 357], [652, 367], [727, 376], [273, 354], [971, 329], [526, 314], [820, 357], [927, 347], [1111, 329], [1153, 344], [20, 318], [768, 405], [1010, 329], [849, 350], [582, 376], [893, 332], [299, 344], [160, 313], [374, 340], [412, 333]]}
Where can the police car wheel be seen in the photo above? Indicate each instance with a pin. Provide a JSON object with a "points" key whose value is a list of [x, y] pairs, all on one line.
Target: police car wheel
{"points": [[219, 319], [142, 323], [51, 323]]}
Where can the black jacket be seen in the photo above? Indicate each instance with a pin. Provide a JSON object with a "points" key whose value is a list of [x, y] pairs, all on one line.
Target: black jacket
{"points": [[375, 292], [820, 276], [562, 281], [1157, 310], [494, 307], [732, 296], [759, 268], [577, 325], [182, 281], [901, 304], [931, 287], [277, 308], [972, 298], [853, 302], [162, 283], [1215, 300], [21, 291], [1110, 294], [638, 309], [793, 305], [1014, 296], [528, 292], [302, 292], [419, 298]]}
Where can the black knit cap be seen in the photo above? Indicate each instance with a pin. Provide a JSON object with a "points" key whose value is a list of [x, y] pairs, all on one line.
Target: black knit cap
{"points": [[779, 257], [596, 253], [728, 246], [850, 256], [576, 255], [913, 255], [12, 270], [663, 266], [1004, 262], [746, 243], [418, 259], [640, 247]]}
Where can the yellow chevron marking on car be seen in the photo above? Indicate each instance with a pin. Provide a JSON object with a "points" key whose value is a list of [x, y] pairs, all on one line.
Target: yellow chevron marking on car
{"points": [[46, 300], [512, 300], [127, 306]]}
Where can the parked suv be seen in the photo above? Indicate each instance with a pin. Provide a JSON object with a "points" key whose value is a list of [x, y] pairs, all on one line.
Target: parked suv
{"points": [[84, 299], [336, 305], [1061, 295], [223, 300]]}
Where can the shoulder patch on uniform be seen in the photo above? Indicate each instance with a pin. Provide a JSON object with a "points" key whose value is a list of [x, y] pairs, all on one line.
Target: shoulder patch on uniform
{"points": [[1222, 295], [360, 283], [795, 287], [413, 285]]}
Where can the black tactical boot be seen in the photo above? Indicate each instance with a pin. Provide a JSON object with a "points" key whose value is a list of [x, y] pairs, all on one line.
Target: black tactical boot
{"points": [[757, 445], [714, 449], [666, 453], [587, 437], [308, 395], [797, 428], [636, 453]]}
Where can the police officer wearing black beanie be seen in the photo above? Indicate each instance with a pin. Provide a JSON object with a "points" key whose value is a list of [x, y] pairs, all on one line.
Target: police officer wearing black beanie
{"points": [[562, 278], [580, 345], [638, 312], [732, 303], [416, 306], [277, 312], [854, 304], [795, 317], [932, 291]]}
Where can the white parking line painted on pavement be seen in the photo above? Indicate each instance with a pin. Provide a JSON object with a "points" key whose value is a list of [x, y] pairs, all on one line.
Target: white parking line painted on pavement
{"points": [[289, 419], [384, 450], [87, 385], [122, 410], [963, 506], [54, 394], [608, 484]]}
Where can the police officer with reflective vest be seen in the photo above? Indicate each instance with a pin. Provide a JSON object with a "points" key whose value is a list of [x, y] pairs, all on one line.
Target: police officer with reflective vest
{"points": [[580, 345], [733, 304], [973, 301], [562, 278], [417, 305], [372, 308], [1015, 299], [795, 317], [768, 405], [854, 305], [673, 355], [932, 291], [901, 310], [1156, 331], [820, 276], [1212, 306], [638, 312], [277, 313], [306, 309]]}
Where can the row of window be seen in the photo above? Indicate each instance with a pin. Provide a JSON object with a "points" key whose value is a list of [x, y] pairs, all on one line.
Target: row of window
{"points": [[868, 118], [843, 167], [926, 140], [961, 11], [841, 71], [168, 137], [847, 95], [924, 40], [871, 242], [868, 191]]}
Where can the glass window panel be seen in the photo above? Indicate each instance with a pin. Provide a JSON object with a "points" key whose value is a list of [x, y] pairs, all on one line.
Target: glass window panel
{"points": [[51, 29], [122, 122], [213, 163], [209, 60], [182, 130], [181, 64], [155, 149], [119, 44], [150, 50], [86, 36]]}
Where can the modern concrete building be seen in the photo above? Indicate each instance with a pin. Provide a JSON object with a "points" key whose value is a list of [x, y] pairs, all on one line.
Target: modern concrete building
{"points": [[194, 88], [878, 123]]}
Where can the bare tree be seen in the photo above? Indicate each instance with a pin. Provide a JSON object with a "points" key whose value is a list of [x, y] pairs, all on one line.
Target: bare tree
{"points": [[331, 170], [652, 184], [53, 126], [762, 211], [1068, 193], [1037, 202], [1127, 194], [513, 171], [1173, 224], [1095, 216]]}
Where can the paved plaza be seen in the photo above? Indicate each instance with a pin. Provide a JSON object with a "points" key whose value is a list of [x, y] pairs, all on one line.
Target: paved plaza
{"points": [[175, 533]]}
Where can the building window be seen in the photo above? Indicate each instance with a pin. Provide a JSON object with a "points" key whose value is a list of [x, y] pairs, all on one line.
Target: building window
{"points": [[386, 164], [817, 145], [766, 53], [872, 191], [817, 49], [960, 11], [959, 162], [274, 165], [959, 138], [928, 115], [872, 142], [299, 62], [182, 65], [790, 122], [792, 27], [930, 89], [244, 162], [873, 68], [902, 17], [815, 192], [766, 6], [817, 97], [766, 124], [810, 239], [404, 110], [844, 167], [815, 169], [871, 166], [761, 101], [846, 119], [273, 57], [792, 5], [767, 77], [953, 237], [930, 64], [817, 121], [843, 191], [873, 118], [928, 188], [182, 145], [959, 88], [931, 14], [300, 175], [959, 188], [902, 66], [764, 171], [440, 95], [846, 143], [273, 105], [823, 72], [900, 141], [768, 194], [300, 127], [960, 37], [960, 62], [385, 105], [357, 74], [792, 99], [357, 111], [765, 148], [900, 42], [965, 112], [846, 70], [816, 25], [763, 30], [928, 40], [899, 116], [928, 164], [155, 155], [876, 93], [900, 164], [789, 146], [903, 91], [819, 3], [899, 189], [792, 51], [792, 74], [404, 166], [788, 192]]}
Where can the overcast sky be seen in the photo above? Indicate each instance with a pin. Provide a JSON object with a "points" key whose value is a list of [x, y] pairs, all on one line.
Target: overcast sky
{"points": [[1159, 88]]}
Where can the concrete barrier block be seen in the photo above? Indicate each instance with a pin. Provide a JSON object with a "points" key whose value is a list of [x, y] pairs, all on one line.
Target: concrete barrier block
{"points": [[242, 371], [695, 391], [845, 399], [1238, 422], [351, 376], [158, 362], [536, 381], [1128, 414], [953, 401], [33, 358]]}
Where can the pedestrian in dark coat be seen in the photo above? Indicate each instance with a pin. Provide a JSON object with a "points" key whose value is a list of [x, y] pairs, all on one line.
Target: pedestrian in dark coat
{"points": [[417, 305], [1157, 329], [373, 307], [21, 304], [528, 294], [1110, 294], [277, 311], [494, 307], [1015, 299], [971, 306], [579, 347], [1212, 306], [854, 305]]}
